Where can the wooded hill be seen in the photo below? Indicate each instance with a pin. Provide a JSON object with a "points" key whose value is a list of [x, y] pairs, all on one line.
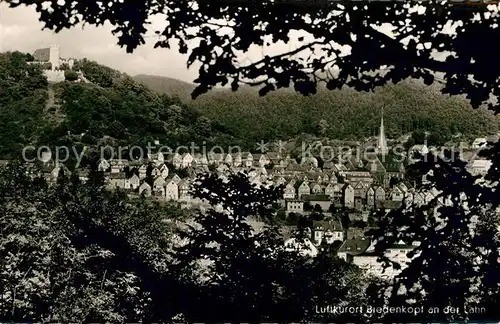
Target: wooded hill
{"points": [[116, 109], [344, 114]]}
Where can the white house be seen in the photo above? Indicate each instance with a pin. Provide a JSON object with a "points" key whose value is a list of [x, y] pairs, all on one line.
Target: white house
{"points": [[360, 251], [142, 171], [289, 192], [145, 189], [348, 196], [479, 167], [164, 171], [303, 189], [330, 231], [187, 160], [295, 206], [172, 190], [479, 143], [134, 181], [397, 194], [159, 182], [103, 165]]}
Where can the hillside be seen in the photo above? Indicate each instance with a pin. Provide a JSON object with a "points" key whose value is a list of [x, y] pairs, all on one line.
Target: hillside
{"points": [[409, 106], [169, 86], [111, 109], [116, 109]]}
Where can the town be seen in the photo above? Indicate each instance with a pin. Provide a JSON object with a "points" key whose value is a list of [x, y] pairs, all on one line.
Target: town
{"points": [[354, 187]]}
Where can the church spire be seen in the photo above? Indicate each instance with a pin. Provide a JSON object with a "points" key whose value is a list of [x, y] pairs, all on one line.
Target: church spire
{"points": [[382, 141]]}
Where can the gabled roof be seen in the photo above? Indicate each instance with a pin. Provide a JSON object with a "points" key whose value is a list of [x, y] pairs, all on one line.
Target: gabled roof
{"points": [[325, 225], [42, 54], [355, 246]]}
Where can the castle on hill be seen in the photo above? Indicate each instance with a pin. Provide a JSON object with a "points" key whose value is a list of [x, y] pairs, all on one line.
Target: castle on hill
{"points": [[51, 55]]}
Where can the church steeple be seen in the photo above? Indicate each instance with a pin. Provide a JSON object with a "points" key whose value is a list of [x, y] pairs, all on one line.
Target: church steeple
{"points": [[382, 141]]}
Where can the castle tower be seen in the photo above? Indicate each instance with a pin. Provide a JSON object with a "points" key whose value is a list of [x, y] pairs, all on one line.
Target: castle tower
{"points": [[382, 141], [55, 57]]}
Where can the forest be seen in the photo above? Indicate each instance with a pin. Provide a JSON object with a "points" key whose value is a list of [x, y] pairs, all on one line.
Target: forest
{"points": [[115, 109], [112, 109]]}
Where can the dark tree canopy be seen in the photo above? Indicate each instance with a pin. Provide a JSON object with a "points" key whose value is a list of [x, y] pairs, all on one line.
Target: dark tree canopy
{"points": [[223, 30]]}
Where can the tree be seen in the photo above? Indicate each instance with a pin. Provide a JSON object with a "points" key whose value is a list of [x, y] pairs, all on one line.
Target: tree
{"points": [[70, 75], [323, 127], [418, 137], [254, 272], [75, 251], [458, 246]]}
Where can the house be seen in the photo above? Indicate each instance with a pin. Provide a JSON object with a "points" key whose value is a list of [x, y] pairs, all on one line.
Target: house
{"points": [[174, 177], [348, 193], [418, 199], [397, 194], [228, 159], [289, 192], [330, 190], [184, 187], [159, 182], [134, 181], [164, 171], [330, 231], [295, 206], [361, 252], [200, 159], [316, 189], [143, 169], [358, 203], [389, 205], [186, 160], [370, 198], [479, 143], [352, 247], [160, 158], [175, 159], [145, 189], [117, 165], [103, 165], [155, 172], [360, 189], [302, 246], [324, 178], [479, 167], [83, 175], [278, 181], [117, 180], [379, 194], [337, 191], [261, 159], [171, 190], [322, 200], [159, 192], [303, 189], [309, 161], [237, 159], [247, 159]]}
